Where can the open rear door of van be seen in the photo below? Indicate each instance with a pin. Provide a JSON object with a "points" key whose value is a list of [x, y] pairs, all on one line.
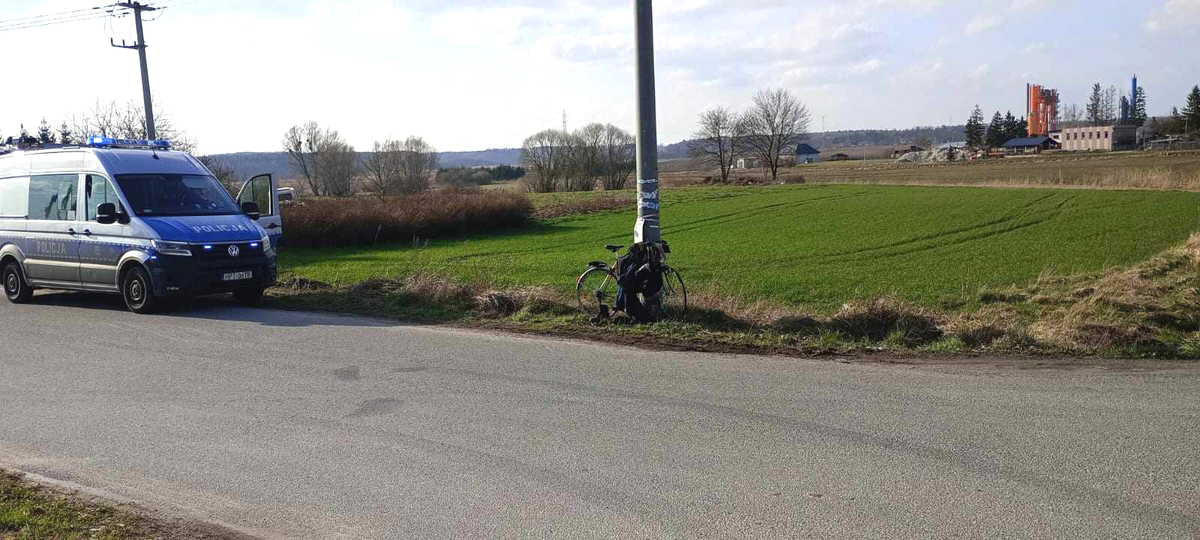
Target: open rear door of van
{"points": [[260, 190]]}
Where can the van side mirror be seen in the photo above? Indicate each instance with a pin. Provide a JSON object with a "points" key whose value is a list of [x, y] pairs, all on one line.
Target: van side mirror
{"points": [[106, 213], [251, 209]]}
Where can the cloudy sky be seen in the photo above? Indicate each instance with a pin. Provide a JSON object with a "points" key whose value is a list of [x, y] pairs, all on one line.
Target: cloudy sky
{"points": [[475, 74]]}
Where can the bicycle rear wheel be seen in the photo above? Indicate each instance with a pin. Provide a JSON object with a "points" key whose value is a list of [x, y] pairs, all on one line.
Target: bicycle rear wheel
{"points": [[596, 287], [674, 296]]}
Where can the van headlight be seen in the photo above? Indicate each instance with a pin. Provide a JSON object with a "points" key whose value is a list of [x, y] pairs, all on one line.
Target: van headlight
{"points": [[266, 244], [181, 249]]}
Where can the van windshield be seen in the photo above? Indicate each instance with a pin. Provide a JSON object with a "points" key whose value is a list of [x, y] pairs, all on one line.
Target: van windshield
{"points": [[176, 195]]}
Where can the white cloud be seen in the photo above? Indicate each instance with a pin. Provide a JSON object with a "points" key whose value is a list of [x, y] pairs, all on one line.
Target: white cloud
{"points": [[982, 70], [981, 24], [1174, 15]]}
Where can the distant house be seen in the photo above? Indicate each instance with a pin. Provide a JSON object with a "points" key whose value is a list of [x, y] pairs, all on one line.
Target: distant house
{"points": [[807, 154], [1030, 145], [898, 151], [839, 157], [746, 163], [1104, 138], [802, 154]]}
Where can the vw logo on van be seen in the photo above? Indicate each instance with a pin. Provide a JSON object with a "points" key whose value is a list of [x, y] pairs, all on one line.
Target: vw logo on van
{"points": [[234, 251]]}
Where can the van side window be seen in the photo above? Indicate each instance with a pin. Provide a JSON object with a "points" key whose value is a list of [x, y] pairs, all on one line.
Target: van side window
{"points": [[98, 191], [14, 197], [52, 197]]}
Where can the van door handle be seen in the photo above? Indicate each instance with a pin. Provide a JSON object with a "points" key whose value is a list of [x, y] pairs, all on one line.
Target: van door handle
{"points": [[87, 232], [273, 226], [71, 232]]}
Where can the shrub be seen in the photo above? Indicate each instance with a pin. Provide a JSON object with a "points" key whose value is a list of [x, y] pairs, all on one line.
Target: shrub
{"points": [[359, 221], [462, 177]]}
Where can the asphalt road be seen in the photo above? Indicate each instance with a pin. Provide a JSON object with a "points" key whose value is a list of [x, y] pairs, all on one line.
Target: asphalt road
{"points": [[296, 425]]}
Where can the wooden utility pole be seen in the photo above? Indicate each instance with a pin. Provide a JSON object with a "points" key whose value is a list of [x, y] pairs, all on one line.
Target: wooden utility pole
{"points": [[138, 8]]}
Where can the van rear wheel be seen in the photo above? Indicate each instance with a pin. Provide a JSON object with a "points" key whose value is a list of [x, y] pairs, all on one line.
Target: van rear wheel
{"points": [[16, 288], [138, 293]]}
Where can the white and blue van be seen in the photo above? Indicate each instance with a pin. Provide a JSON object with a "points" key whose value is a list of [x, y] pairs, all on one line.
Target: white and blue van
{"points": [[133, 218]]}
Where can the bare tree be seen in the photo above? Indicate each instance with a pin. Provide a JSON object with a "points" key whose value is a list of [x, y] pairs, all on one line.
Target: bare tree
{"points": [[582, 158], [384, 167], [1073, 116], [303, 143], [128, 122], [1109, 105], [777, 121], [618, 152], [223, 173], [718, 139], [419, 162], [336, 165], [540, 154]]}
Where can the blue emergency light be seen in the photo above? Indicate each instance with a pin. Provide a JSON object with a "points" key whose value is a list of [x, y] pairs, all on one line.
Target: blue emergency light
{"points": [[97, 141]]}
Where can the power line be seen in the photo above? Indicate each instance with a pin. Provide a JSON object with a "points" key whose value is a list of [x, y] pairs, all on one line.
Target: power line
{"points": [[37, 25], [50, 14], [63, 19]]}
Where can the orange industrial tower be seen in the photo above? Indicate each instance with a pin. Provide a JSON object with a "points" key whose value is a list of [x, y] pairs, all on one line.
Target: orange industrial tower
{"points": [[1041, 109]]}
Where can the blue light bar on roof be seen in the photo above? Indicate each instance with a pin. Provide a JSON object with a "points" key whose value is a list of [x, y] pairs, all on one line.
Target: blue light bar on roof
{"points": [[97, 141]]}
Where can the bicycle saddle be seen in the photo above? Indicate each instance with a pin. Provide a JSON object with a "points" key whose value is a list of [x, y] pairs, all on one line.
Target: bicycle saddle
{"points": [[613, 247]]}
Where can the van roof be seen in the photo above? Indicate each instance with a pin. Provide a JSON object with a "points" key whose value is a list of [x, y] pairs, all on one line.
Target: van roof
{"points": [[114, 160]]}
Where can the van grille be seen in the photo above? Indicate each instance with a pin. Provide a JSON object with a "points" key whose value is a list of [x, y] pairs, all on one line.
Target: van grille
{"points": [[220, 252]]}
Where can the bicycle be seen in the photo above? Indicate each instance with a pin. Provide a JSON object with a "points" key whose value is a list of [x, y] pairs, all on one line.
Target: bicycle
{"points": [[596, 289]]}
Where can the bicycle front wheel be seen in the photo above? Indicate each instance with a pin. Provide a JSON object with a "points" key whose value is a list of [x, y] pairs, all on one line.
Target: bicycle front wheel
{"points": [[674, 295], [596, 287]]}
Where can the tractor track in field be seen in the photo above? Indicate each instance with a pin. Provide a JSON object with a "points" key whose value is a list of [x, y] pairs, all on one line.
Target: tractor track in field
{"points": [[877, 252]]}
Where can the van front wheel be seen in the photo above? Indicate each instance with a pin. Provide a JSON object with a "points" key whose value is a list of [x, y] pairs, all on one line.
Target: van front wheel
{"points": [[15, 287], [139, 295]]}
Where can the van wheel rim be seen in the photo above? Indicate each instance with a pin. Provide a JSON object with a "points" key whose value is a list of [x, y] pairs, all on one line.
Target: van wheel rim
{"points": [[11, 284], [135, 291]]}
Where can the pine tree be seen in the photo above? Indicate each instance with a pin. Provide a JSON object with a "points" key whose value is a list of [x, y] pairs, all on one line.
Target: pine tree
{"points": [[45, 136], [995, 133], [1095, 106], [1022, 127], [1175, 123], [975, 129], [64, 134], [1012, 129], [1191, 112], [1139, 107]]}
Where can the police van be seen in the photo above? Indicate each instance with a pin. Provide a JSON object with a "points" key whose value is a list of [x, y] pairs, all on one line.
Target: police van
{"points": [[134, 218]]}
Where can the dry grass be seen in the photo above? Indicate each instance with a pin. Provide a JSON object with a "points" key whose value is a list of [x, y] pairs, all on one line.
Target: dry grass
{"points": [[1149, 309], [1115, 170], [583, 205], [364, 221]]}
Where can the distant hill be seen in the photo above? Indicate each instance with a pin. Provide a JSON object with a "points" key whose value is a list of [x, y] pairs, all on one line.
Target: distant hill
{"points": [[247, 164]]}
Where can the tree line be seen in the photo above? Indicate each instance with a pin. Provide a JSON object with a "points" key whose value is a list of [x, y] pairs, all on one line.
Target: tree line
{"points": [[581, 160], [329, 166], [1182, 122], [775, 122], [1000, 130]]}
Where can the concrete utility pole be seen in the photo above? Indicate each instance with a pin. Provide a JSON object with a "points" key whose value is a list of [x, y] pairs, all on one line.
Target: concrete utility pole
{"points": [[647, 227], [138, 8]]}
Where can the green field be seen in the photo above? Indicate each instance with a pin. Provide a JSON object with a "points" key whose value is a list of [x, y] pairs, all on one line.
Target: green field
{"points": [[815, 247]]}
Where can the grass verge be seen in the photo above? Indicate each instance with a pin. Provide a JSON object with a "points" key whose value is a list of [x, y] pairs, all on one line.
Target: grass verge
{"points": [[1146, 310], [32, 512]]}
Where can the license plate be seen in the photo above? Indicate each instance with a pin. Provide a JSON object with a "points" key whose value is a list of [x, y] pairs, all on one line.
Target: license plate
{"points": [[238, 276]]}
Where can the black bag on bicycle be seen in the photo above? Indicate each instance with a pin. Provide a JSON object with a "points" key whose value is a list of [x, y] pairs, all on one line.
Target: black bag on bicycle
{"points": [[639, 272]]}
